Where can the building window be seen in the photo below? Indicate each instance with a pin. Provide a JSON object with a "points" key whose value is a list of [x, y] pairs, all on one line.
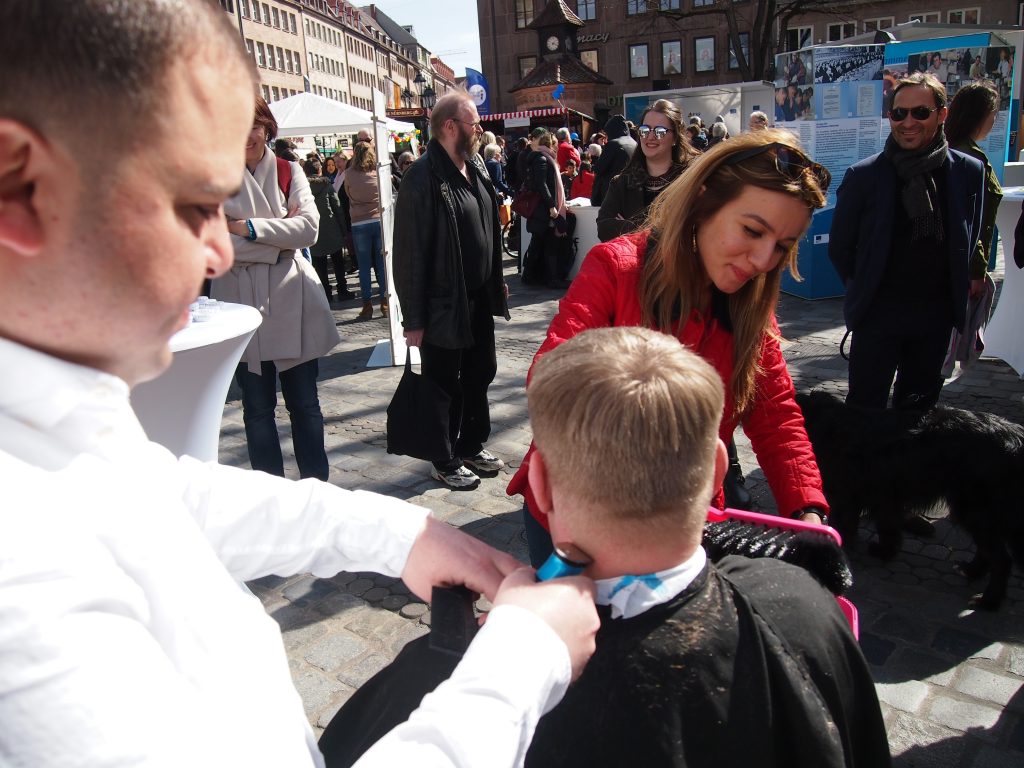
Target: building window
{"points": [[799, 37], [526, 65], [873, 25], [280, 59], [633, 7], [266, 92], [266, 14], [277, 93], [704, 54], [701, 3], [841, 31], [590, 59], [931, 17], [243, 7], [261, 55], [671, 57], [586, 9], [297, 60], [523, 13], [271, 62], [639, 66], [228, 5], [734, 62], [256, 13], [670, 5], [277, 18], [965, 16], [291, 23]]}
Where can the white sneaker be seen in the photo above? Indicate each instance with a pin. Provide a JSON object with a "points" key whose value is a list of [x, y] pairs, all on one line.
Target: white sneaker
{"points": [[460, 477], [485, 461]]}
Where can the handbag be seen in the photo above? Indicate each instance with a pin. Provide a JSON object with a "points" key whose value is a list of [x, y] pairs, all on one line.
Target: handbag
{"points": [[526, 202], [417, 423]]}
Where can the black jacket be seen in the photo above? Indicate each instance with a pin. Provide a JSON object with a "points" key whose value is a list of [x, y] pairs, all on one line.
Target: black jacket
{"points": [[428, 273], [331, 234], [614, 156], [540, 178]]}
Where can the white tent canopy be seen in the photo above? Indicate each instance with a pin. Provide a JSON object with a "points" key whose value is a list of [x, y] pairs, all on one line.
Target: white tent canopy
{"points": [[306, 114]]}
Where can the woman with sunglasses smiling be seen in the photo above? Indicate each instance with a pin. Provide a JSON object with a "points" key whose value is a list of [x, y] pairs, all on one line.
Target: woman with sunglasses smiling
{"points": [[662, 155], [705, 267]]}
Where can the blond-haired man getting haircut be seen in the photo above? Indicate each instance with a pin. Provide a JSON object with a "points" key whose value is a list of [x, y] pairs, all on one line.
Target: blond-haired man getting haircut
{"points": [[736, 664]]}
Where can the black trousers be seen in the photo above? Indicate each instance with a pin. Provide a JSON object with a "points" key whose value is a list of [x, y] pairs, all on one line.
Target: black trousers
{"points": [[913, 358], [465, 374]]}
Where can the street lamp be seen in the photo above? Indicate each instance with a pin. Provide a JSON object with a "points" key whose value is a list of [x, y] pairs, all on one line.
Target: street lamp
{"points": [[419, 82], [407, 97], [428, 98]]}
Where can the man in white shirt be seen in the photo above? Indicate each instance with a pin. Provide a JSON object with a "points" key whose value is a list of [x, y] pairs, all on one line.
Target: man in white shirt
{"points": [[126, 636]]}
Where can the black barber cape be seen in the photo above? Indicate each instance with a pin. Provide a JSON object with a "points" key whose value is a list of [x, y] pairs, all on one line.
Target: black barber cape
{"points": [[752, 665]]}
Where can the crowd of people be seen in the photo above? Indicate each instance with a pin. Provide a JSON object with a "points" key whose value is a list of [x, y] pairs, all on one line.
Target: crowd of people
{"points": [[662, 345]]}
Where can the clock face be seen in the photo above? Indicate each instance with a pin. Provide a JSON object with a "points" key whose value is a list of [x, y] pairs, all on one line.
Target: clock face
{"points": [[552, 43]]}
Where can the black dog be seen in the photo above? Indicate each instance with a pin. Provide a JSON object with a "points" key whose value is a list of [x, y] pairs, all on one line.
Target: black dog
{"points": [[893, 463]]}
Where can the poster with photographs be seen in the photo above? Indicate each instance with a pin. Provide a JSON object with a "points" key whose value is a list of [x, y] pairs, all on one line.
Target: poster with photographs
{"points": [[955, 67], [671, 57], [794, 102], [638, 61], [704, 54], [795, 67], [848, 63]]}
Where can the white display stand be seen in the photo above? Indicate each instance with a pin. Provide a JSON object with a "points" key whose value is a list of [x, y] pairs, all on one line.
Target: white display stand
{"points": [[1004, 336], [585, 234], [182, 408]]}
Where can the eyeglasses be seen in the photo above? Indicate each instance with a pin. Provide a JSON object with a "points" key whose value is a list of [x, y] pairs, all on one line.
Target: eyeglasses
{"points": [[467, 122], [899, 114], [659, 131], [789, 162]]}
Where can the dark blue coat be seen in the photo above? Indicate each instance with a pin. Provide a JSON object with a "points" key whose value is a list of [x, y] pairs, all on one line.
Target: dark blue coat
{"points": [[861, 234]]}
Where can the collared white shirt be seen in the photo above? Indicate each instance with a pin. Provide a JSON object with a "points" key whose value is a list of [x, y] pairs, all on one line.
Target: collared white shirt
{"points": [[126, 637], [631, 595]]}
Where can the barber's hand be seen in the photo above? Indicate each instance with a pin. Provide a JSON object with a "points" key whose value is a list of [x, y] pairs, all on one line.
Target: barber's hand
{"points": [[413, 338], [565, 604], [444, 556], [977, 287], [554, 213]]}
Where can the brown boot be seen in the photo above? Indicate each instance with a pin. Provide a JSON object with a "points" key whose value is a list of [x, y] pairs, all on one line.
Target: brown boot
{"points": [[384, 306], [367, 312]]}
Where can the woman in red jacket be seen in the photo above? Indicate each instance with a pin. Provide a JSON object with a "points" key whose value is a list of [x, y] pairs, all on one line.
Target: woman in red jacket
{"points": [[706, 268]]}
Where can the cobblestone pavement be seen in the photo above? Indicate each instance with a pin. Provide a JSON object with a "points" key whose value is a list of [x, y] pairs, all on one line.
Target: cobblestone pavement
{"points": [[949, 679]]}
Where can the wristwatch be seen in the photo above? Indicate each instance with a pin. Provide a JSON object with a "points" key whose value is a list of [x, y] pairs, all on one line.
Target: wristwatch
{"points": [[812, 509]]}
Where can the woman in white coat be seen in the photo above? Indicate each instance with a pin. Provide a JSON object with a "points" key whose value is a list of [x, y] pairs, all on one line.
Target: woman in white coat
{"points": [[271, 217]]}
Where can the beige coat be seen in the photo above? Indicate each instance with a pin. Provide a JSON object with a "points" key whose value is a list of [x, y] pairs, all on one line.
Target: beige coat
{"points": [[272, 276]]}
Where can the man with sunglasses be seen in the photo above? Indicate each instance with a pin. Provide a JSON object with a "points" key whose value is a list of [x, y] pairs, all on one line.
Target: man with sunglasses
{"points": [[447, 260], [906, 222]]}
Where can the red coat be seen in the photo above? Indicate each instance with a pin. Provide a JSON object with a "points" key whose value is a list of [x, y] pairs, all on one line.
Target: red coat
{"points": [[606, 293], [582, 185], [567, 152]]}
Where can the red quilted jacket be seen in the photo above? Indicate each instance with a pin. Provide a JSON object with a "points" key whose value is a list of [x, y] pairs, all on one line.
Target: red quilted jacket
{"points": [[606, 293]]}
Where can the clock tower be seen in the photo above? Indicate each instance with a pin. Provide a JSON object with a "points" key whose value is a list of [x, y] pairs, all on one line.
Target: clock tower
{"points": [[556, 28]]}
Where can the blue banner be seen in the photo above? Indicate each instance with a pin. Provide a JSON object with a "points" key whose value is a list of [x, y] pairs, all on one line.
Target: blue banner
{"points": [[478, 88]]}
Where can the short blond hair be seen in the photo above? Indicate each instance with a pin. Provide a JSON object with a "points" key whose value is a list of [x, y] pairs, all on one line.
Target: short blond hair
{"points": [[626, 420]]}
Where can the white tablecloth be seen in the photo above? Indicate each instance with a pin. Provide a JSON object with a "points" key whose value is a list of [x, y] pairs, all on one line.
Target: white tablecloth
{"points": [[585, 234], [182, 409], [1004, 336]]}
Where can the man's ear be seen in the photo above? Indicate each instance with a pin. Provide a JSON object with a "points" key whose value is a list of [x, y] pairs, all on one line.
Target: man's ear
{"points": [[540, 483], [23, 154], [721, 464]]}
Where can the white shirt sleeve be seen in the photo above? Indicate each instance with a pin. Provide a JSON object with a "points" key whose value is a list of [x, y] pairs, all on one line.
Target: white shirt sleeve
{"points": [[515, 670], [259, 524]]}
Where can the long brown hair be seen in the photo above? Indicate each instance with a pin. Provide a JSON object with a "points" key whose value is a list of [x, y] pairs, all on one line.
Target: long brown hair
{"points": [[673, 281], [682, 152], [364, 159]]}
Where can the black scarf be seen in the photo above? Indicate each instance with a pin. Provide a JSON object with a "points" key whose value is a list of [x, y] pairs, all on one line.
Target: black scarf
{"points": [[920, 192]]}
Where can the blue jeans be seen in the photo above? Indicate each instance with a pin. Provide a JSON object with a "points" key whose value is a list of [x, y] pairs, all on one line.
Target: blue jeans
{"points": [[367, 241], [259, 399]]}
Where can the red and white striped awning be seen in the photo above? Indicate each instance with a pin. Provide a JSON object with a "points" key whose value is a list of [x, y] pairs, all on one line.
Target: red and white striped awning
{"points": [[527, 113]]}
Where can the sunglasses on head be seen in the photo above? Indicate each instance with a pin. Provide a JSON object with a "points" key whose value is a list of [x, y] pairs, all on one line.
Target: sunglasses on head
{"points": [[899, 114], [789, 162], [659, 131]]}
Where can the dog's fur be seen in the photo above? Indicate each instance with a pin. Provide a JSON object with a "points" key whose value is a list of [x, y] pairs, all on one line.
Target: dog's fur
{"points": [[891, 464]]}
